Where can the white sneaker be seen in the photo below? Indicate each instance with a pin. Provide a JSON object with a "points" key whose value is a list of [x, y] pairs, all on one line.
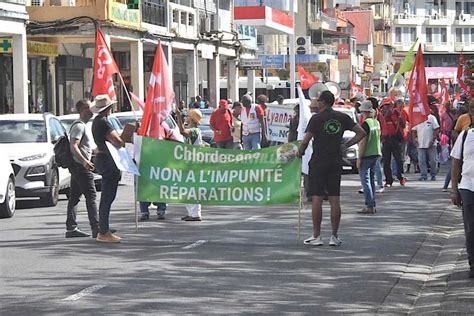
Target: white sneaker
{"points": [[334, 241], [314, 241], [380, 190]]}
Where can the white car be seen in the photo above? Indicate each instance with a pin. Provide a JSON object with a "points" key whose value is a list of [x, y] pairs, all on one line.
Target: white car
{"points": [[29, 140], [7, 187], [352, 153]]}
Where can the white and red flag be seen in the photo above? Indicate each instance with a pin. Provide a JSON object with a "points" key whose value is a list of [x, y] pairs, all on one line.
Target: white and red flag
{"points": [[444, 98], [355, 89], [419, 108], [306, 79], [104, 68], [159, 98]]}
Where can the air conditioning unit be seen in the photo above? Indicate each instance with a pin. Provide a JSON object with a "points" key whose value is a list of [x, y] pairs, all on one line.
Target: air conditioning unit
{"points": [[303, 45], [205, 26]]}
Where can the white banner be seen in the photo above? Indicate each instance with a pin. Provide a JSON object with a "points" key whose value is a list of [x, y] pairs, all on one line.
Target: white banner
{"points": [[278, 122], [122, 159]]}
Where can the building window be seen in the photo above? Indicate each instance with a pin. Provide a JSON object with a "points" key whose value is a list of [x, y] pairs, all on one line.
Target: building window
{"points": [[429, 35], [183, 18], [175, 16], [191, 19], [398, 34], [413, 34], [458, 35], [467, 7], [444, 35], [472, 35]]}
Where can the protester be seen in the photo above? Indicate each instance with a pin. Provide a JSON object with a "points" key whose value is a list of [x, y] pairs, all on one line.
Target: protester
{"points": [[262, 101], [392, 137], [405, 132], [145, 210], [369, 152], [105, 165], [447, 121], [237, 125], [221, 124], [325, 168], [314, 109], [293, 128], [378, 165], [425, 136], [193, 136], [462, 192], [280, 99], [464, 121], [254, 130], [82, 178], [198, 104]]}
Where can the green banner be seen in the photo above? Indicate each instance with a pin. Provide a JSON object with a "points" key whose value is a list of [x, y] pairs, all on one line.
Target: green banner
{"points": [[178, 173]]}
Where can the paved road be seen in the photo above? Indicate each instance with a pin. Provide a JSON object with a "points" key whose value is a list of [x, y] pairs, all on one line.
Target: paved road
{"points": [[240, 260]]}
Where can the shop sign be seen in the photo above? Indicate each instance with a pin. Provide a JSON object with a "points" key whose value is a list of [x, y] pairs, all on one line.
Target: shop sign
{"points": [[251, 63], [118, 12], [273, 61], [32, 47], [343, 51]]}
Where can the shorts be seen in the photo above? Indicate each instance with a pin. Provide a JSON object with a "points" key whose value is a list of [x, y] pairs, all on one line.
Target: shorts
{"points": [[325, 178]]}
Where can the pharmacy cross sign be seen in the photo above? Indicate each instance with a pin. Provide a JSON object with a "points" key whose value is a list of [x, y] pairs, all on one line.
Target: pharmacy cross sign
{"points": [[5, 45]]}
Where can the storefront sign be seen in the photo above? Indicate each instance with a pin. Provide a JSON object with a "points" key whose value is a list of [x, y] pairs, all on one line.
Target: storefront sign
{"points": [[251, 63], [32, 47], [343, 51], [278, 121], [118, 12], [172, 172], [273, 61]]}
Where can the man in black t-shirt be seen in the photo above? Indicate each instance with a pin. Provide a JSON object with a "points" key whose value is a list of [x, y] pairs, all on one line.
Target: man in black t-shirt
{"points": [[105, 165], [325, 168]]}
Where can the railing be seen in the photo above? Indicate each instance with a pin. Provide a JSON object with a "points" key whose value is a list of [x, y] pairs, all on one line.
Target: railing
{"points": [[154, 12]]}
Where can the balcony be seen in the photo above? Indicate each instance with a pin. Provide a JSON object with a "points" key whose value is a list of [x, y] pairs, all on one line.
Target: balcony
{"points": [[460, 46], [323, 21], [464, 19], [50, 10], [13, 9], [402, 47], [183, 21], [437, 20], [438, 47], [154, 12], [407, 19]]}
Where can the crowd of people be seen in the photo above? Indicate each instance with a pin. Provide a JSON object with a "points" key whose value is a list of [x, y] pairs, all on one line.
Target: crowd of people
{"points": [[386, 140]]}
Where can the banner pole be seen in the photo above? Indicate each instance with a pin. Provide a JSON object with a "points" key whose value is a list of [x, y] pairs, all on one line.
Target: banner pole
{"points": [[299, 215], [135, 191], [128, 96]]}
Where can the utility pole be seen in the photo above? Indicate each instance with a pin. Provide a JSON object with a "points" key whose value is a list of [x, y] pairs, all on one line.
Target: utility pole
{"points": [[292, 53]]}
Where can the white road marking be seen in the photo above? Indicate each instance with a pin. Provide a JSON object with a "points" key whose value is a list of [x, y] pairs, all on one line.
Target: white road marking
{"points": [[196, 244], [252, 218], [84, 292]]}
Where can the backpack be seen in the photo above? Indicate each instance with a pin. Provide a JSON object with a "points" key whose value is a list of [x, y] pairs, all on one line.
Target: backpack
{"points": [[62, 151]]}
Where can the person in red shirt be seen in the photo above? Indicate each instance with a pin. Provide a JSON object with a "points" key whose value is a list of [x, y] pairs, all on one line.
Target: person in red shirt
{"points": [[221, 124], [392, 138]]}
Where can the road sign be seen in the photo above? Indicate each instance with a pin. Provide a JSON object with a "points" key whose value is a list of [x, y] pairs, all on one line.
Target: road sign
{"points": [[251, 63], [273, 61]]}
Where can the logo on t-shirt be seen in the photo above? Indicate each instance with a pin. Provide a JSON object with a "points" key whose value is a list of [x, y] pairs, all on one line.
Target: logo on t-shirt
{"points": [[332, 127]]}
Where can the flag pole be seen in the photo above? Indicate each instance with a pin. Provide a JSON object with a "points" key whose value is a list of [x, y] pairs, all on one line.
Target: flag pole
{"points": [[299, 213], [135, 193], [128, 95]]}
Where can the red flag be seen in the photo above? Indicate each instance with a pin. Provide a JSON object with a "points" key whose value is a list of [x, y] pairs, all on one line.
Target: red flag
{"points": [[159, 97], [355, 89], [460, 74], [419, 108], [306, 79], [444, 94], [139, 101], [104, 68]]}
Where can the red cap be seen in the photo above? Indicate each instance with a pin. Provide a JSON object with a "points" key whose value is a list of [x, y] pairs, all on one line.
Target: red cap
{"points": [[223, 104], [387, 100]]}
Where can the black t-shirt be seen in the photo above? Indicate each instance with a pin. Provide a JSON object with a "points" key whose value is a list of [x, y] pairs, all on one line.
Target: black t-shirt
{"points": [[328, 128], [100, 129]]}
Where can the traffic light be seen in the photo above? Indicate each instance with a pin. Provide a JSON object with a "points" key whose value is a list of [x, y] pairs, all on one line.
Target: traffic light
{"points": [[133, 4]]}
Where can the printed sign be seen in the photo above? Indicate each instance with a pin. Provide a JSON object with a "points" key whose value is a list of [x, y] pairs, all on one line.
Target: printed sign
{"points": [[343, 51], [172, 172], [273, 61], [251, 63], [278, 122]]}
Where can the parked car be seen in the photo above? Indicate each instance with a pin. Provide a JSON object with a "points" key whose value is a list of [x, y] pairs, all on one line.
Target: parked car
{"points": [[29, 139], [351, 154], [205, 127], [68, 119], [132, 118], [7, 187]]}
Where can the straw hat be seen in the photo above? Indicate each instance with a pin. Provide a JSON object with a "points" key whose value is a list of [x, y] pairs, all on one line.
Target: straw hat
{"points": [[101, 103]]}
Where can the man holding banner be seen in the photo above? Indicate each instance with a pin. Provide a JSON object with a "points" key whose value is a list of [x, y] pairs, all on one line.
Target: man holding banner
{"points": [[325, 168]]}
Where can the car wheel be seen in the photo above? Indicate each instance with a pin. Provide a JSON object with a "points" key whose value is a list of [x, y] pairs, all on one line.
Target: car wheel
{"points": [[52, 198], [7, 208]]}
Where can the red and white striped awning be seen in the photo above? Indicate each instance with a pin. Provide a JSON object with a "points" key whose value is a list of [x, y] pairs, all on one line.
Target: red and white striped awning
{"points": [[267, 20]]}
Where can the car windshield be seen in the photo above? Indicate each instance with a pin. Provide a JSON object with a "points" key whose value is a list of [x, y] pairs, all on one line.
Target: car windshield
{"points": [[24, 131], [116, 123], [124, 120]]}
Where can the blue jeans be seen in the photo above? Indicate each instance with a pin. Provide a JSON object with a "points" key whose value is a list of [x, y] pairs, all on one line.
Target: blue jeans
{"points": [[106, 167], [448, 177], [366, 174], [431, 153], [467, 198], [378, 174], [251, 141], [160, 208]]}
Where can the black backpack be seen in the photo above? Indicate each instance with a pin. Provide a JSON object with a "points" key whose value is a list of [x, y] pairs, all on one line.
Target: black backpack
{"points": [[62, 151]]}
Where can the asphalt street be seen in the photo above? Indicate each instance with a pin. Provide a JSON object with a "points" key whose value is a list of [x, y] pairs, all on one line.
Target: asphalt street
{"points": [[408, 258]]}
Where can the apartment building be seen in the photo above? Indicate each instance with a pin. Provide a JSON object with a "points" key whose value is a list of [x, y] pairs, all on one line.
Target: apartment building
{"points": [[13, 55], [444, 29], [198, 36]]}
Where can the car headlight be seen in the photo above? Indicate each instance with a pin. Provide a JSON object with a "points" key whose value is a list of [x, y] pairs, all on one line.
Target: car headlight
{"points": [[33, 157], [351, 153], [36, 171]]}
